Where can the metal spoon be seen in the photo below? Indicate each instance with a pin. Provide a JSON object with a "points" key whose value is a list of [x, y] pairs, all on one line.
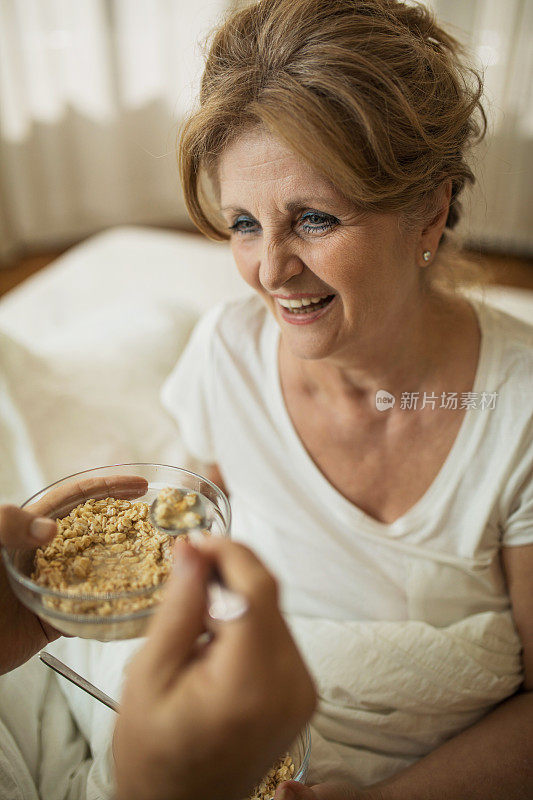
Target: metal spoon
{"points": [[72, 676]]}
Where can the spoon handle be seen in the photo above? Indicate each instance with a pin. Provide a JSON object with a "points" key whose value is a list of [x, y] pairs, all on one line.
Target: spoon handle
{"points": [[224, 605], [68, 673]]}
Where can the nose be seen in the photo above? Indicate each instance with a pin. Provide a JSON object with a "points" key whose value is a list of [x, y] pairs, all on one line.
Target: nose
{"points": [[279, 263]]}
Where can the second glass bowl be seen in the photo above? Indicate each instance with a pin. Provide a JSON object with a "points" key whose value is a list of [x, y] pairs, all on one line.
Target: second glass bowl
{"points": [[300, 752]]}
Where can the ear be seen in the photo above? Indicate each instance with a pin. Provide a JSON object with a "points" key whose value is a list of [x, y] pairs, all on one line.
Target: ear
{"points": [[431, 234]]}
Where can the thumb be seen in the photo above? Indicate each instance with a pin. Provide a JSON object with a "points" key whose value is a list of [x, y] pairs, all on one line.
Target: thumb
{"points": [[19, 528], [179, 620]]}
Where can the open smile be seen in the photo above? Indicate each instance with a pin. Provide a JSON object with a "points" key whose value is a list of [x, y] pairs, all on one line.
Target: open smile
{"points": [[304, 309]]}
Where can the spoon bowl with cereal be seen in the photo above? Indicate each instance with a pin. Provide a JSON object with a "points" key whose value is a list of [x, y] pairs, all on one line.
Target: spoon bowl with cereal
{"points": [[178, 511]]}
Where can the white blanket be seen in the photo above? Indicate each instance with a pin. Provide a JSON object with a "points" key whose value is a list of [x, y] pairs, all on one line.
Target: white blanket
{"points": [[390, 692], [43, 753]]}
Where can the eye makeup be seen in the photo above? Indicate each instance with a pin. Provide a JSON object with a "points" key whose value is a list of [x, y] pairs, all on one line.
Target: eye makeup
{"points": [[317, 222]]}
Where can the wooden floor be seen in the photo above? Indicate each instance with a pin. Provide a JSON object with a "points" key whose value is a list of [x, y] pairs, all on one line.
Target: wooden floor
{"points": [[500, 269], [12, 276], [506, 270]]}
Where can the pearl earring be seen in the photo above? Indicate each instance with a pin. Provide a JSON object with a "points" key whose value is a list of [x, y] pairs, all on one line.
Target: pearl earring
{"points": [[426, 255]]}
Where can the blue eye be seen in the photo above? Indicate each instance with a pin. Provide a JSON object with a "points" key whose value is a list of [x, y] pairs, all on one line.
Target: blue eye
{"points": [[320, 222], [236, 226]]}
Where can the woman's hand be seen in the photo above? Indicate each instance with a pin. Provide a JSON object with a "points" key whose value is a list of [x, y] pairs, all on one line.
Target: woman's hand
{"points": [[22, 633], [208, 721]]}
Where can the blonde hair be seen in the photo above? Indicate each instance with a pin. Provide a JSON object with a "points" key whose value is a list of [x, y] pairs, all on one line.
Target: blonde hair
{"points": [[375, 92]]}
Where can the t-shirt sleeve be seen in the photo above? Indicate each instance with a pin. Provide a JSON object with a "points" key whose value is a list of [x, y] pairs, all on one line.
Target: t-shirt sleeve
{"points": [[516, 508], [188, 392], [519, 527]]}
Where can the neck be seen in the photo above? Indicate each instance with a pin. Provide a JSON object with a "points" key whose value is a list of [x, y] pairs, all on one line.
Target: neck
{"points": [[407, 353]]}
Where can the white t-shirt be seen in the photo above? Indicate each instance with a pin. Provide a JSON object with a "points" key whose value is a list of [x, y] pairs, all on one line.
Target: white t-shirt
{"points": [[438, 562], [405, 627]]}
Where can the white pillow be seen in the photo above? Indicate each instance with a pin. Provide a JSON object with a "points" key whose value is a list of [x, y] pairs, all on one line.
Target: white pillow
{"points": [[120, 266], [95, 401], [86, 345]]}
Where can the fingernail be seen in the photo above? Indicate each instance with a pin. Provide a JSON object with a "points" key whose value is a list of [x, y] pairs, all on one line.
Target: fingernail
{"points": [[183, 558], [42, 528], [196, 537]]}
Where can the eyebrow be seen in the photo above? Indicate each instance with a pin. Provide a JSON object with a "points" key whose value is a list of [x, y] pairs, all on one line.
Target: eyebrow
{"points": [[292, 205]]}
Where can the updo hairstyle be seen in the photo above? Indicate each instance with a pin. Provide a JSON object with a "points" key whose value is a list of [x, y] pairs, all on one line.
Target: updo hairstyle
{"points": [[374, 92]]}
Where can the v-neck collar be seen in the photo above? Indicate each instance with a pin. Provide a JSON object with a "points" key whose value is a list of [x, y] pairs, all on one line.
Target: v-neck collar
{"points": [[461, 451]]}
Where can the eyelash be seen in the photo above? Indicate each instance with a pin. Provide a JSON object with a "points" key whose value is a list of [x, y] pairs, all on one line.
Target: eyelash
{"points": [[328, 223]]}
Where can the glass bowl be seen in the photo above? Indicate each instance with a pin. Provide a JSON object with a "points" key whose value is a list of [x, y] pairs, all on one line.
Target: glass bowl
{"points": [[300, 752], [62, 609]]}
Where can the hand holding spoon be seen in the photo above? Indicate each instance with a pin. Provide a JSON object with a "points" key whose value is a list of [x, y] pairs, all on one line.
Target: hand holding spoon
{"points": [[188, 513]]}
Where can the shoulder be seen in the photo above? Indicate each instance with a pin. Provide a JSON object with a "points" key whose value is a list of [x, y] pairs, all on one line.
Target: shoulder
{"points": [[238, 328], [227, 322], [511, 437], [510, 345], [232, 337], [515, 334], [510, 367], [246, 317]]}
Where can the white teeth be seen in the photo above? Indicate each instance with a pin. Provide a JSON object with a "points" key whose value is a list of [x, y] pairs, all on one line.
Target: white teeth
{"points": [[299, 303]]}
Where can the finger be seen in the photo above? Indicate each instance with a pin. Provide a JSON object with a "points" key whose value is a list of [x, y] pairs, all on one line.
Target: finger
{"points": [[179, 620], [244, 639], [19, 528], [241, 570], [292, 790], [60, 500], [332, 791]]}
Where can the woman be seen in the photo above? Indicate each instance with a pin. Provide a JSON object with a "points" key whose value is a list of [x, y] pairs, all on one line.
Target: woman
{"points": [[371, 426]]}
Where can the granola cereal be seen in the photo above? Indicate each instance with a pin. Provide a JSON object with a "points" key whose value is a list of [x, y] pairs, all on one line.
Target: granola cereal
{"points": [[173, 509], [283, 770], [104, 546]]}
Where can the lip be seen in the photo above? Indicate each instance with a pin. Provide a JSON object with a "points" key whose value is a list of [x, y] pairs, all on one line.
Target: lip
{"points": [[307, 318]]}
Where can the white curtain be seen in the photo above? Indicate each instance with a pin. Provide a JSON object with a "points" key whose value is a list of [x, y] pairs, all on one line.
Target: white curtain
{"points": [[91, 91], [499, 33], [90, 94]]}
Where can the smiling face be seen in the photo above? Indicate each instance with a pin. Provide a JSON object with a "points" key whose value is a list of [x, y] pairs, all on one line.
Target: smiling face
{"points": [[334, 278]]}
